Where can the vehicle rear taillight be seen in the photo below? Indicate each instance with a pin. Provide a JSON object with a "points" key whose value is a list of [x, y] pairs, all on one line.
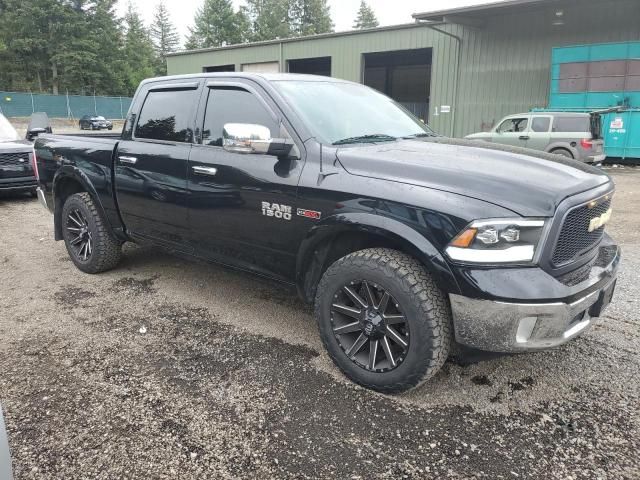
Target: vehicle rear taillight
{"points": [[34, 165], [586, 143]]}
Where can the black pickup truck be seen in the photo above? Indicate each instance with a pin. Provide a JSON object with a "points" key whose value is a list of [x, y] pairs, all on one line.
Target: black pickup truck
{"points": [[406, 241]]}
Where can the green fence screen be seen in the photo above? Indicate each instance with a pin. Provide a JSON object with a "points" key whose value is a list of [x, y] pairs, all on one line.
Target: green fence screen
{"points": [[16, 104]]}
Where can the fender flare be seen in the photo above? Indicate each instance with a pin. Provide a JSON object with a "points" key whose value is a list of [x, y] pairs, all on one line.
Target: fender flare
{"points": [[411, 241], [74, 173], [563, 146]]}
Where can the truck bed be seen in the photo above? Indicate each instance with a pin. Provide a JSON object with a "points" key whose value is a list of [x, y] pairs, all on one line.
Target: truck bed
{"points": [[88, 156]]}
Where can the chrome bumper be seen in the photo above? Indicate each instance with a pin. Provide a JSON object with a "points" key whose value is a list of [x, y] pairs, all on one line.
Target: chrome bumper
{"points": [[519, 327], [42, 198]]}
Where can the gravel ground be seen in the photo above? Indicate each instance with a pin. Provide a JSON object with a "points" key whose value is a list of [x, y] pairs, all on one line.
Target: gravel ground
{"points": [[170, 369]]}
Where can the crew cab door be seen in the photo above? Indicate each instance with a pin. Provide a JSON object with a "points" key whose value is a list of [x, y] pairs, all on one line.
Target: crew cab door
{"points": [[151, 163], [512, 131], [242, 207]]}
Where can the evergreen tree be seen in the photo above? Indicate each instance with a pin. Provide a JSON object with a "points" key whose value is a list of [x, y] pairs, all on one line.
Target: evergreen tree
{"points": [[311, 17], [50, 45], [109, 63], [164, 36], [366, 17], [37, 35], [138, 50], [269, 19], [216, 24]]}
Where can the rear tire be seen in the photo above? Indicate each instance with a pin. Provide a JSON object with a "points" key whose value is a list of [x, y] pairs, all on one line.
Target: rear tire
{"points": [[563, 151], [90, 244], [426, 329]]}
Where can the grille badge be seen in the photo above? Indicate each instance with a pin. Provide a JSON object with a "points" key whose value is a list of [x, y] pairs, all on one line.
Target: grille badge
{"points": [[600, 221]]}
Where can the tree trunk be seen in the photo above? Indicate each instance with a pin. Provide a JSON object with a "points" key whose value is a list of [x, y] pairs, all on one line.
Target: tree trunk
{"points": [[39, 80], [54, 77]]}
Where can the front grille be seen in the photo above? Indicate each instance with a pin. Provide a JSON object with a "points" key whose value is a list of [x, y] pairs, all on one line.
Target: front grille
{"points": [[11, 159], [575, 239], [605, 256]]}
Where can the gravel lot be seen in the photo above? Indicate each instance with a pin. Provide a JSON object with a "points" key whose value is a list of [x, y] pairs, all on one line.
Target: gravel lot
{"points": [[170, 369]]}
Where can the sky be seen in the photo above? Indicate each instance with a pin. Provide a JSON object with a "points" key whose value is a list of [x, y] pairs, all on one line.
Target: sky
{"points": [[389, 12]]}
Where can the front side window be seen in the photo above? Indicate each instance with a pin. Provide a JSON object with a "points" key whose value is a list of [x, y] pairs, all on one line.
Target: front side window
{"points": [[571, 124], [167, 115], [513, 125], [540, 124], [234, 105]]}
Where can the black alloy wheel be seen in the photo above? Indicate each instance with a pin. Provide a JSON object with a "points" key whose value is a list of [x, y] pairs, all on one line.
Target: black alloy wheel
{"points": [[81, 238], [383, 319], [89, 240], [370, 326]]}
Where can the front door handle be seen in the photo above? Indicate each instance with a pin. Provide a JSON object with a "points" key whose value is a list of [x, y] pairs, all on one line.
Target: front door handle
{"points": [[129, 160], [205, 170], [524, 137]]}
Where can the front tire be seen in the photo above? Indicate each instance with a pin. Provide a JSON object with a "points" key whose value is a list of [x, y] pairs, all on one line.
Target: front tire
{"points": [[90, 244], [383, 320]]}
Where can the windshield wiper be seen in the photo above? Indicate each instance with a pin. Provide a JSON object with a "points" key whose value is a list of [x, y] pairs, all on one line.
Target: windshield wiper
{"points": [[422, 135], [376, 137]]}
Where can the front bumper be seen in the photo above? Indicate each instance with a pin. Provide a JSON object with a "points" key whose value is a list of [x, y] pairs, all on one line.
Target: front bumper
{"points": [[18, 184], [530, 324]]}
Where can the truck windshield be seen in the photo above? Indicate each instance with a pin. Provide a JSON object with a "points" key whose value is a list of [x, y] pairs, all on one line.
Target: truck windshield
{"points": [[7, 132], [343, 113]]}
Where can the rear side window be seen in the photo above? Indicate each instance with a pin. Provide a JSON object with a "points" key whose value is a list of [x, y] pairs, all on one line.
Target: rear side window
{"points": [[234, 105], [571, 124], [513, 125], [540, 124], [167, 115]]}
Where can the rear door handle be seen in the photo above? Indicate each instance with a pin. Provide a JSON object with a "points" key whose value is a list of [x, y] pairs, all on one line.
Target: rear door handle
{"points": [[524, 137], [129, 160], [205, 170]]}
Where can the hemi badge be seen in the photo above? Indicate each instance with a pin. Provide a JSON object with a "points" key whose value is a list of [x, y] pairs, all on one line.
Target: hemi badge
{"points": [[309, 214]]}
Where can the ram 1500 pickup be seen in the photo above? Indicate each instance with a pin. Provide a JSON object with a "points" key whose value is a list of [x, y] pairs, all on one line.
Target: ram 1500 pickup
{"points": [[406, 241]]}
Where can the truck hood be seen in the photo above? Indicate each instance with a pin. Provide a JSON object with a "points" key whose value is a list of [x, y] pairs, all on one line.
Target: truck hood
{"points": [[527, 182], [17, 146]]}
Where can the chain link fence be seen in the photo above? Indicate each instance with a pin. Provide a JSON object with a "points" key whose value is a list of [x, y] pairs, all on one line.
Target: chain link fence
{"points": [[17, 104]]}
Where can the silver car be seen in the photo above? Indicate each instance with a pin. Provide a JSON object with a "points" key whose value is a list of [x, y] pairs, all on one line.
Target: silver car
{"points": [[573, 135]]}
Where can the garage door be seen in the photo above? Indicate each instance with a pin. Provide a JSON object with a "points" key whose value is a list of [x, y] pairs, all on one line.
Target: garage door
{"points": [[263, 67]]}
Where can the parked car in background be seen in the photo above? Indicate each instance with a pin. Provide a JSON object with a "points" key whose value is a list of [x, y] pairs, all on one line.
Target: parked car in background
{"points": [[573, 135], [95, 122], [16, 158], [38, 123]]}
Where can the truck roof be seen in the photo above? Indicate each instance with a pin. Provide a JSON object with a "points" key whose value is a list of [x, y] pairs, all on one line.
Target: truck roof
{"points": [[269, 77], [549, 112]]}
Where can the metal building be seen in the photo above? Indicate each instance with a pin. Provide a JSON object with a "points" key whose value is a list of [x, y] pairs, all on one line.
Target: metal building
{"points": [[459, 69]]}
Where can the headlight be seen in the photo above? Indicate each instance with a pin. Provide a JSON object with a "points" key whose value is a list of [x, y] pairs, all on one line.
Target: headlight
{"points": [[497, 241]]}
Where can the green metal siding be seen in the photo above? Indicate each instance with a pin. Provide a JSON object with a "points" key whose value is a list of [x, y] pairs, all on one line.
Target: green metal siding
{"points": [[505, 64]]}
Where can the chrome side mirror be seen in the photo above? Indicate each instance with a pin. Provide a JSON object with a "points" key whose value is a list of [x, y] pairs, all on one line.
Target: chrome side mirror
{"points": [[246, 138], [256, 139]]}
